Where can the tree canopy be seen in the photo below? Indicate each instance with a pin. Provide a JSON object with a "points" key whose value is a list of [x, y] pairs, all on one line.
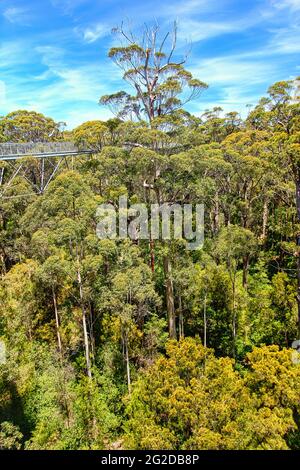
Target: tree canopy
{"points": [[143, 343]]}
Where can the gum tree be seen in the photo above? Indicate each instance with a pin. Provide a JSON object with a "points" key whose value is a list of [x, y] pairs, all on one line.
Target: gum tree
{"points": [[152, 67], [29, 126], [162, 86]]}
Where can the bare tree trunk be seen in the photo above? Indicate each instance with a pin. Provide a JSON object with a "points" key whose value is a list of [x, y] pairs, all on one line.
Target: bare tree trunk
{"points": [[84, 325], [170, 297], [57, 323]]}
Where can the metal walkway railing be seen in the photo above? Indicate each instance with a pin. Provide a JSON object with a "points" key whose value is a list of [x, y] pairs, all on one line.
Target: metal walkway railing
{"points": [[12, 151]]}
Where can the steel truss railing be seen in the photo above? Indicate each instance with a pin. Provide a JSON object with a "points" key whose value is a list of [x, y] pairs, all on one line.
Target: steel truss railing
{"points": [[51, 156]]}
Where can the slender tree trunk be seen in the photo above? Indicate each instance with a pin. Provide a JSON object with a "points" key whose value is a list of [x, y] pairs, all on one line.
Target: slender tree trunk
{"points": [[265, 220], [181, 322], [91, 329], [211, 219], [298, 246], [151, 241], [3, 264], [170, 297], [84, 325], [59, 342], [227, 217], [127, 364], [245, 271], [152, 259], [204, 322], [216, 215], [57, 322], [233, 314], [1, 175]]}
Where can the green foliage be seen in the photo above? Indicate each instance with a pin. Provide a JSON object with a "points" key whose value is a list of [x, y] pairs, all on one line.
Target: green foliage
{"points": [[191, 400], [87, 323], [28, 126], [10, 436]]}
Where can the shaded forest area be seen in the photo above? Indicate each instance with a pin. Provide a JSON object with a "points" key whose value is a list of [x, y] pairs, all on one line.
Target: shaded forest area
{"points": [[119, 344]]}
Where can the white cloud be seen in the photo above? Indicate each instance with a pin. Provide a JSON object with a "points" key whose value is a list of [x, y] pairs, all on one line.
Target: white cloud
{"points": [[230, 98], [2, 93], [286, 40], [78, 116], [13, 53], [233, 69], [52, 56], [189, 7], [93, 33], [291, 4], [234, 82], [69, 93], [68, 6], [195, 31], [16, 15], [43, 76]]}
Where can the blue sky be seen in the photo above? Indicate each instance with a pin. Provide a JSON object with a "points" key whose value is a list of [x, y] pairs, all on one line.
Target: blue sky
{"points": [[53, 53]]}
